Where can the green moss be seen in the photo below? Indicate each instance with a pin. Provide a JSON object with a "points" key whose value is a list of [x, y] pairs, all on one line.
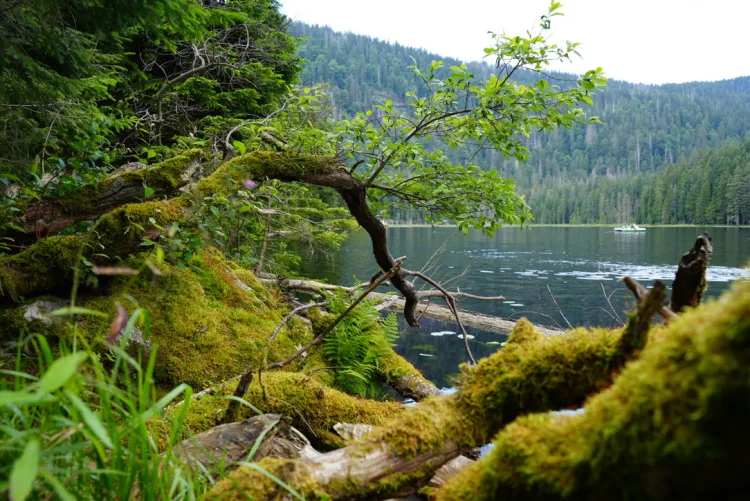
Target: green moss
{"points": [[260, 165], [46, 265], [295, 395], [672, 426], [205, 334], [166, 175], [395, 366], [28, 317], [524, 332], [119, 230]]}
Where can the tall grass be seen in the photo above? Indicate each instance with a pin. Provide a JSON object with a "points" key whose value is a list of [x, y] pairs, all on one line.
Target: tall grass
{"points": [[75, 427]]}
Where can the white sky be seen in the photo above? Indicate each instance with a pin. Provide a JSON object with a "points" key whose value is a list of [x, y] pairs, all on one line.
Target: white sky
{"points": [[649, 41]]}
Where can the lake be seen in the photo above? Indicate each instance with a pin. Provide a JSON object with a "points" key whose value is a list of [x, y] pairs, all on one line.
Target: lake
{"points": [[579, 264]]}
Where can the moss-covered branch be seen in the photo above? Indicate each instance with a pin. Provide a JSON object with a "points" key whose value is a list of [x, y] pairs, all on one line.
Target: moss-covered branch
{"points": [[673, 426], [313, 407], [51, 214], [405, 378], [533, 373], [50, 263]]}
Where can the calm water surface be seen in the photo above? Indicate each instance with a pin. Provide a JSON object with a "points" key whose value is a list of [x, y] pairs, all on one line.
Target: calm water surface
{"points": [[575, 262]]}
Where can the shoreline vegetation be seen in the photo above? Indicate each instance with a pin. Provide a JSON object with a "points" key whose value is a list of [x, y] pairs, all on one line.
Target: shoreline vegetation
{"points": [[597, 225]]}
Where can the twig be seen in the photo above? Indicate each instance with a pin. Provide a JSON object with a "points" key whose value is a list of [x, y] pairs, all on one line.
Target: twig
{"points": [[610, 303], [640, 292], [451, 301], [558, 307], [322, 336]]}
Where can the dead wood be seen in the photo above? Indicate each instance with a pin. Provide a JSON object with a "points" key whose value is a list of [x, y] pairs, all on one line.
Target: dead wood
{"points": [[690, 279]]}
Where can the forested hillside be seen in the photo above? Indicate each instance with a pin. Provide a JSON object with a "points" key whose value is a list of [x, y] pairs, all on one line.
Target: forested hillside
{"points": [[651, 138]]}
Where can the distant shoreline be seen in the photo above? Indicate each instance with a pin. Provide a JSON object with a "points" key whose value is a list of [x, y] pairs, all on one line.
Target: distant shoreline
{"points": [[610, 225]]}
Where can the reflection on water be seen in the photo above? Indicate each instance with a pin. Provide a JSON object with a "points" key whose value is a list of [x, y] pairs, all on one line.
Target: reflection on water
{"points": [[579, 265], [437, 350]]}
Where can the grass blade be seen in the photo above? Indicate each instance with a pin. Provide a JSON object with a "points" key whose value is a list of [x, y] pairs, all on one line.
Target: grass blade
{"points": [[61, 371], [91, 419], [24, 471]]}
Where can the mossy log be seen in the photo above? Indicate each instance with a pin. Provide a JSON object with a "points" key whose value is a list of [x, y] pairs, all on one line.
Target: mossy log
{"points": [[673, 426], [533, 373], [210, 320], [313, 407], [48, 215], [405, 378], [232, 442]]}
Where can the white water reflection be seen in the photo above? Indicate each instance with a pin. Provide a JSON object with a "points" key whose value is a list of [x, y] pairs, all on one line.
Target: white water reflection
{"points": [[610, 271]]}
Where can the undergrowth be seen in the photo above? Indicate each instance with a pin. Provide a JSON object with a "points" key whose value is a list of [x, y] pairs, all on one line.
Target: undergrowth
{"points": [[74, 424], [361, 339]]}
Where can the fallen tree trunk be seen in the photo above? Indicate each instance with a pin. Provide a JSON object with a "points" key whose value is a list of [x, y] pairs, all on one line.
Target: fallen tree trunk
{"points": [[673, 426], [319, 171], [534, 373]]}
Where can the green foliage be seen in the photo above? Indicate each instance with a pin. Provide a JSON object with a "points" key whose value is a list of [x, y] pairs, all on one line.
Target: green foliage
{"points": [[712, 187], [86, 83], [644, 128], [77, 427], [357, 344], [272, 226], [396, 151]]}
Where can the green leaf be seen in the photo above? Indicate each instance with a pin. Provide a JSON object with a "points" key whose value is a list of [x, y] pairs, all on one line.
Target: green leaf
{"points": [[75, 310], [57, 486], [151, 154], [18, 398], [61, 371], [240, 147], [148, 192], [91, 419], [24, 471]]}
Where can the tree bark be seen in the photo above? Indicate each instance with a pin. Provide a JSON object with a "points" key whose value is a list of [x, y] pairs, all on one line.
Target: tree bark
{"points": [[690, 279]]}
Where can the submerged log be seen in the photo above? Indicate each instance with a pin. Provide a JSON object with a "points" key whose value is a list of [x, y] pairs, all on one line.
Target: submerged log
{"points": [[673, 426], [394, 303], [534, 373]]}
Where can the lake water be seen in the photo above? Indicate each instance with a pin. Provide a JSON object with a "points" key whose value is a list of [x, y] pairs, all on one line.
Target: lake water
{"points": [[575, 262]]}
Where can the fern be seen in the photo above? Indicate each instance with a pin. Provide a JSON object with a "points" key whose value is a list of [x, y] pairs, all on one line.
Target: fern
{"points": [[357, 344]]}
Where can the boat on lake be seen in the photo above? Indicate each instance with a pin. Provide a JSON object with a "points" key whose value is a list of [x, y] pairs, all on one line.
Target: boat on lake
{"points": [[630, 228]]}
